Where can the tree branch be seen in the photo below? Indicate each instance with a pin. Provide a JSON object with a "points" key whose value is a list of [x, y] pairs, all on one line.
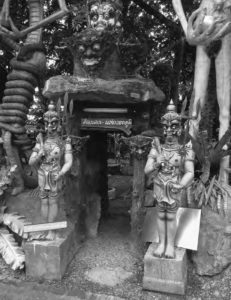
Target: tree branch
{"points": [[153, 10]]}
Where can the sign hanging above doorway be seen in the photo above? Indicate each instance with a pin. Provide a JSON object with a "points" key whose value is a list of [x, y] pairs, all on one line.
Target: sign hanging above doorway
{"points": [[121, 124]]}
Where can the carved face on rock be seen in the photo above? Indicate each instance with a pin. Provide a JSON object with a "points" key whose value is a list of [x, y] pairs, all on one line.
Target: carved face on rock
{"points": [[94, 47], [105, 15]]}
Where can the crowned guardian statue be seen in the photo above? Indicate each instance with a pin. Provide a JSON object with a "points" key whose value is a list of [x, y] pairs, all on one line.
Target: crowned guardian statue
{"points": [[173, 169], [54, 158]]}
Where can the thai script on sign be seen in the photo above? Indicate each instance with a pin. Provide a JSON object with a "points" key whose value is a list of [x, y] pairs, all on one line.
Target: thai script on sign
{"points": [[117, 124]]}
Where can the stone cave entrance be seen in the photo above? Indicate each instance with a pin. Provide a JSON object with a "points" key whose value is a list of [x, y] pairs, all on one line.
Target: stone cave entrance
{"points": [[107, 183], [108, 259], [96, 121]]}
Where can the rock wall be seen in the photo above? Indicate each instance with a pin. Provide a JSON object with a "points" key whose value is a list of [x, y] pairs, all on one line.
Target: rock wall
{"points": [[214, 249]]}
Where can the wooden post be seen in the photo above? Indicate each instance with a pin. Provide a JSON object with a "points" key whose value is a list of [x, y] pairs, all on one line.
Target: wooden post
{"points": [[75, 196], [140, 147], [137, 209], [96, 182]]}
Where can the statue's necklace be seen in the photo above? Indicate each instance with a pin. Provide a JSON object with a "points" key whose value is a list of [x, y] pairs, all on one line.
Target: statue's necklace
{"points": [[170, 150]]}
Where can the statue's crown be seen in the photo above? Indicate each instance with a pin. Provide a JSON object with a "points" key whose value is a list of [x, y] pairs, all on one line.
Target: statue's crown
{"points": [[171, 113], [51, 112], [118, 4]]}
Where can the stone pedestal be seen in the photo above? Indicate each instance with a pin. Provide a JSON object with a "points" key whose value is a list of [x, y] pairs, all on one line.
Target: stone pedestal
{"points": [[50, 259], [165, 275]]}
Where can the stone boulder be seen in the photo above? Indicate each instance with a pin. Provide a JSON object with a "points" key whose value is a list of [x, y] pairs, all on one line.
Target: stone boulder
{"points": [[214, 247]]}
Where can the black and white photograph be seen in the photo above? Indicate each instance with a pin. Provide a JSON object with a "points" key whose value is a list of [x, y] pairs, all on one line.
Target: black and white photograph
{"points": [[115, 144]]}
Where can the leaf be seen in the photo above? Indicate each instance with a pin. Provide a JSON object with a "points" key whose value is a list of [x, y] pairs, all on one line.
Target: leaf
{"points": [[65, 103], [219, 203], [184, 104], [197, 148], [10, 251], [198, 108], [223, 140], [16, 223], [213, 202], [1, 218], [13, 168], [71, 107], [209, 190], [58, 107], [202, 197], [226, 195], [196, 194], [199, 187], [226, 199], [156, 144]]}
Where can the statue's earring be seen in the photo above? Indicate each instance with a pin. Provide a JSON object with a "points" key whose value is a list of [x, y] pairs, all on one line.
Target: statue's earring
{"points": [[179, 132]]}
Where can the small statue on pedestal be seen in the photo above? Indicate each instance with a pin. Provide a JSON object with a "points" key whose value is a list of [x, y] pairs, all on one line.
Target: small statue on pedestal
{"points": [[173, 166], [55, 159]]}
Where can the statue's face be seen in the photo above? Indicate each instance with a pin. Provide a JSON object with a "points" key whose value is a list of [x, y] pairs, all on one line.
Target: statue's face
{"points": [[172, 129], [93, 48], [51, 125], [103, 16]]}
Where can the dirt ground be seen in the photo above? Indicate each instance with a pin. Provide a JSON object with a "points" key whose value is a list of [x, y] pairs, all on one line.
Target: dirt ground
{"points": [[108, 267]]}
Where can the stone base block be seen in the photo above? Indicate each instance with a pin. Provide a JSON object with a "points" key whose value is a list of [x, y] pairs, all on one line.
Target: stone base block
{"points": [[165, 275], [50, 259]]}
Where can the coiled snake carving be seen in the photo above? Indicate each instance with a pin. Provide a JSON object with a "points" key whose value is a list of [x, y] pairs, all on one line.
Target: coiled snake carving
{"points": [[28, 70]]}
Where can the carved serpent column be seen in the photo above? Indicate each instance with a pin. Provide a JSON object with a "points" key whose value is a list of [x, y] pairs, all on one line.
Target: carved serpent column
{"points": [[27, 70]]}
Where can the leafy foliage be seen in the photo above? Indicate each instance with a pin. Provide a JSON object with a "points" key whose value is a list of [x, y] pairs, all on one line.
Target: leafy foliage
{"points": [[11, 252], [214, 194], [207, 189], [15, 223], [34, 123], [6, 176]]}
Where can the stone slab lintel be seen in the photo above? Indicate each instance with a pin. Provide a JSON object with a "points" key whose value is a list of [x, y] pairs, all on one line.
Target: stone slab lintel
{"points": [[132, 90]]}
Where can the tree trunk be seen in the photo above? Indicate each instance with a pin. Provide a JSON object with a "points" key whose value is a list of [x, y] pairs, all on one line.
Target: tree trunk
{"points": [[177, 67]]}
